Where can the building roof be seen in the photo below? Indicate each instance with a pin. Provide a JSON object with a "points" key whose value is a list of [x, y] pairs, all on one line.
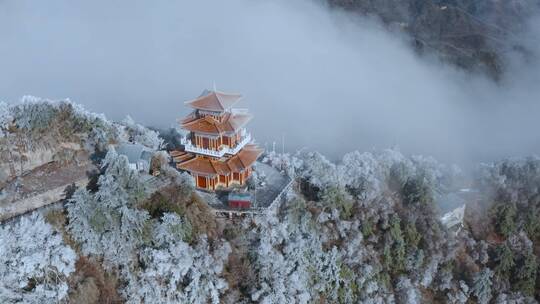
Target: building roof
{"points": [[239, 162], [189, 118], [248, 155], [198, 165], [208, 124], [214, 101], [135, 152]]}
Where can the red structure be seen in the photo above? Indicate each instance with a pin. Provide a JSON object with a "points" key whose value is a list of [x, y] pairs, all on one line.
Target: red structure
{"points": [[218, 151], [239, 200]]}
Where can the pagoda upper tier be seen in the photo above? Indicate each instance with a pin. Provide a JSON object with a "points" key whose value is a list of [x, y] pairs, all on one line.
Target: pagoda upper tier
{"points": [[215, 127], [214, 101], [228, 123]]}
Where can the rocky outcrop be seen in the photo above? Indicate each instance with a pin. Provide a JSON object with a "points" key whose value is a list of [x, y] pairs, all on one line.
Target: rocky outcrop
{"points": [[40, 200], [19, 163]]}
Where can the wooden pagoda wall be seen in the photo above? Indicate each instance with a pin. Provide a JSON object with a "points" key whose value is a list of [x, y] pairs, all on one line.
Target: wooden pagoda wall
{"points": [[225, 181], [214, 143]]}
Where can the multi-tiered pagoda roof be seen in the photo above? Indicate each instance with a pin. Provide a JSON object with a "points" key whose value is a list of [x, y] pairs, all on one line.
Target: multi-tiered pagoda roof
{"points": [[228, 123], [218, 152], [214, 101], [241, 161]]}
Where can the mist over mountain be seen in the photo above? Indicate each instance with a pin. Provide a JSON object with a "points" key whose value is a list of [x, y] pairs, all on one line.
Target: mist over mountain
{"points": [[474, 35], [318, 76], [357, 94]]}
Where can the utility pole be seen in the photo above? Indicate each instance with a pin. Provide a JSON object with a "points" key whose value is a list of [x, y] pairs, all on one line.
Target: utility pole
{"points": [[282, 143], [282, 149]]}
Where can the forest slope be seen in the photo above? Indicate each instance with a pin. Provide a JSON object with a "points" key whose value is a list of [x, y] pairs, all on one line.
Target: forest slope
{"points": [[364, 230]]}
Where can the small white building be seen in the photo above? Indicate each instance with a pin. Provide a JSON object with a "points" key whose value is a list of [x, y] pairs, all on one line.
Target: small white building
{"points": [[453, 206], [454, 218], [139, 156]]}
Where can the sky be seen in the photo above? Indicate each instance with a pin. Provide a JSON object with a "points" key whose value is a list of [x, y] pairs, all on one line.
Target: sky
{"points": [[317, 78]]}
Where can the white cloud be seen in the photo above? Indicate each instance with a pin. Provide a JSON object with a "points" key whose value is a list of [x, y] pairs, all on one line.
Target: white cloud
{"points": [[327, 80]]}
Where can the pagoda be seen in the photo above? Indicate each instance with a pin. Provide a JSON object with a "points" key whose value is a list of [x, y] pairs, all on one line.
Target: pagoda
{"points": [[218, 150]]}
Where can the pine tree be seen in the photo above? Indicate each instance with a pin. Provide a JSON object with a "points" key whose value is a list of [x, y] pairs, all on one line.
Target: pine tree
{"points": [[416, 191], [505, 258], [412, 236], [526, 275], [532, 224], [505, 217], [398, 244]]}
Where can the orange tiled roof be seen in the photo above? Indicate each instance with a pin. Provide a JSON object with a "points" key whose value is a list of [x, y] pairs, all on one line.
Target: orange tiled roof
{"points": [[244, 159], [249, 154], [214, 101], [175, 153], [191, 117], [235, 164], [208, 124], [198, 165], [221, 168]]}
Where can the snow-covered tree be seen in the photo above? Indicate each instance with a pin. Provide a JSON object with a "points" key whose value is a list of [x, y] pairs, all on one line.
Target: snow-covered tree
{"points": [[34, 262], [406, 292], [105, 223], [141, 134], [362, 174], [33, 113], [43, 124], [481, 287], [318, 170], [459, 294], [175, 272], [5, 118]]}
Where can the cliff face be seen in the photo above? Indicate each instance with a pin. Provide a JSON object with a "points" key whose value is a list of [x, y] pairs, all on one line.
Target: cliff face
{"points": [[36, 132], [18, 162], [474, 35]]}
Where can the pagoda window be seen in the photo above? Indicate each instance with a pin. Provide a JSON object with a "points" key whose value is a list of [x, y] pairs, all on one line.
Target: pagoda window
{"points": [[205, 142], [236, 176], [222, 179]]}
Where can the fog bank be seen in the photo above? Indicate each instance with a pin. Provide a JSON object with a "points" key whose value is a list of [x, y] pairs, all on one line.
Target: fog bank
{"points": [[322, 79]]}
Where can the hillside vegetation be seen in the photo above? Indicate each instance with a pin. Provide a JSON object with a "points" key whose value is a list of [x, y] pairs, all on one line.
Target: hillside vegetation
{"points": [[476, 35], [364, 230]]}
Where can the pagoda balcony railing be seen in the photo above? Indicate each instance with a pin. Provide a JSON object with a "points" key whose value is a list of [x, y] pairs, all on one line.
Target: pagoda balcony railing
{"points": [[189, 147]]}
